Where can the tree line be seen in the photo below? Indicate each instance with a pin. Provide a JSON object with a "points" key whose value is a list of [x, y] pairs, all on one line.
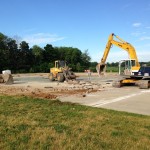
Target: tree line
{"points": [[21, 58]]}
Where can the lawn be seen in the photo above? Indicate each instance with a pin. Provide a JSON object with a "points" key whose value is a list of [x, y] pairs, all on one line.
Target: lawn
{"points": [[27, 123]]}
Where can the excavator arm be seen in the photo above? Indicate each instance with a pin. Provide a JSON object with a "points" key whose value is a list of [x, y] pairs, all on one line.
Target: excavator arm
{"points": [[101, 67]]}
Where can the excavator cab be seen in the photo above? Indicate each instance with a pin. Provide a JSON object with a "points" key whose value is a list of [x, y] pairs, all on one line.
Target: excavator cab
{"points": [[128, 67]]}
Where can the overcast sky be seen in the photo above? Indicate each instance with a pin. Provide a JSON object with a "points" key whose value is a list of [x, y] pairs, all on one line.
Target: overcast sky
{"points": [[85, 24]]}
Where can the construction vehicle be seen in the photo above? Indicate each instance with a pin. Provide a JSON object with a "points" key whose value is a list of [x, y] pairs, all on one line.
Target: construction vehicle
{"points": [[141, 79], [131, 65], [133, 73], [61, 72]]}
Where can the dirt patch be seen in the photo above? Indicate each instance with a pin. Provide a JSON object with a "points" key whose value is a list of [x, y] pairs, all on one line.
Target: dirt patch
{"points": [[48, 93], [39, 86]]}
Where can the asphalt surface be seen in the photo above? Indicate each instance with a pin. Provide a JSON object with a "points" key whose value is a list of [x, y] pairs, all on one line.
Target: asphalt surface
{"points": [[128, 99]]}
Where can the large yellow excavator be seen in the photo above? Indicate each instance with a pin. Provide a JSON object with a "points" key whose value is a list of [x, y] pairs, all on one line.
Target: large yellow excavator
{"points": [[131, 65], [133, 73]]}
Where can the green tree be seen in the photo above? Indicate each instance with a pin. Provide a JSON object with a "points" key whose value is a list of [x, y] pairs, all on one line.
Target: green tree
{"points": [[8, 53], [25, 56], [78, 67], [13, 55], [93, 66], [85, 59], [3, 48], [38, 54], [50, 54]]}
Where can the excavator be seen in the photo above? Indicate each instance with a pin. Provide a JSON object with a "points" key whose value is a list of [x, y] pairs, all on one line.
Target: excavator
{"points": [[131, 65], [132, 71]]}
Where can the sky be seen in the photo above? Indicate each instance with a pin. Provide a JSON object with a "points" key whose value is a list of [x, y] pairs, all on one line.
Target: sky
{"points": [[83, 24]]}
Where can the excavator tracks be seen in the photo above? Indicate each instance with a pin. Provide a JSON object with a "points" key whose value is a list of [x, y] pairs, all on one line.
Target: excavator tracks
{"points": [[117, 84], [144, 84]]}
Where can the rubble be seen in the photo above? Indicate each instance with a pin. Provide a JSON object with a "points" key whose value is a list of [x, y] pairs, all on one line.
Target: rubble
{"points": [[42, 88]]}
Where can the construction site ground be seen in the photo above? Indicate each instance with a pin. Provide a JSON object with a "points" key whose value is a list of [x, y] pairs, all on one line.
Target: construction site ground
{"points": [[95, 91]]}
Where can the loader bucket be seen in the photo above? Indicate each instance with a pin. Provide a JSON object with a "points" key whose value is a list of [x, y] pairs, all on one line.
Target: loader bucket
{"points": [[71, 75], [101, 69], [8, 78]]}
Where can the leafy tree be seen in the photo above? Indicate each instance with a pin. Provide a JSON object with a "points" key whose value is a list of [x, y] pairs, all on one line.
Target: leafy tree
{"points": [[50, 54], [61, 52], [78, 67], [85, 59], [8, 53], [3, 46], [25, 56], [93, 66], [76, 56], [12, 55], [38, 54]]}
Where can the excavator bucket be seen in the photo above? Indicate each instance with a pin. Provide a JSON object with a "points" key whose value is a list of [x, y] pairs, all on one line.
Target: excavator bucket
{"points": [[6, 78], [101, 69]]}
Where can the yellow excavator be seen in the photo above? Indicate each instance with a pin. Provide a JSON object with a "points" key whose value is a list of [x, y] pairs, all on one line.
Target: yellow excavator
{"points": [[133, 73], [131, 65]]}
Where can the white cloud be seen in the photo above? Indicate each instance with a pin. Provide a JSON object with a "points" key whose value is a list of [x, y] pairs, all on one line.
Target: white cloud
{"points": [[143, 55], [136, 24], [42, 38], [137, 33], [145, 38]]}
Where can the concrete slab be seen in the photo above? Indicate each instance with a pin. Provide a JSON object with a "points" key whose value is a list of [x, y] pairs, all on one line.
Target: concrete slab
{"points": [[135, 103], [129, 99]]}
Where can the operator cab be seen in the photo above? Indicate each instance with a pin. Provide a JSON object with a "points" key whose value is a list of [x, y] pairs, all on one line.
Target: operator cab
{"points": [[60, 63], [128, 67]]}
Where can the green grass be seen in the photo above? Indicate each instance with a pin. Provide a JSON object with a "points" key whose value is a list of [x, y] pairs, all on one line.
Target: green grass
{"points": [[112, 69], [27, 123]]}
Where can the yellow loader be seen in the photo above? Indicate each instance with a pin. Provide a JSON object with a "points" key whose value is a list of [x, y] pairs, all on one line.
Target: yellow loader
{"points": [[61, 72]]}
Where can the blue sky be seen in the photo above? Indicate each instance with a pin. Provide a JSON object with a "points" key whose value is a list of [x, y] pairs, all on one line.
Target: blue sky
{"points": [[85, 24]]}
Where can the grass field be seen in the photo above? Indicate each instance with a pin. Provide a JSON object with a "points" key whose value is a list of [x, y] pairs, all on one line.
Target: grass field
{"points": [[27, 123]]}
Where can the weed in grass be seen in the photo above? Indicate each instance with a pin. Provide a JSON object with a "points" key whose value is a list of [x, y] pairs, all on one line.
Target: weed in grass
{"points": [[147, 127], [22, 127], [116, 133], [60, 128], [24, 139], [46, 146]]}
